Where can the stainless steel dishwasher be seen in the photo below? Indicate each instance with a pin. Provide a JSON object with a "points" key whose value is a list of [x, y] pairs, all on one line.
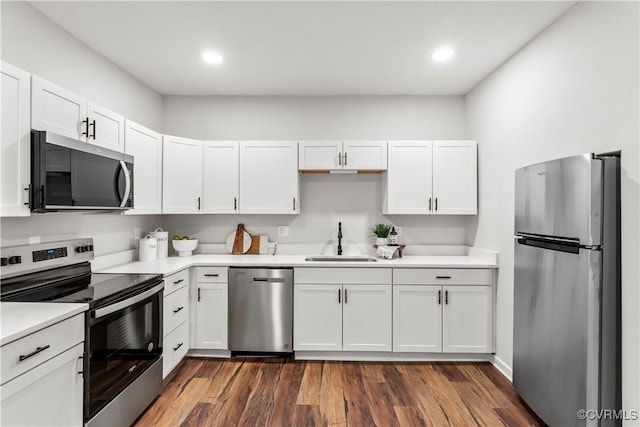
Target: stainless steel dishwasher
{"points": [[260, 310]]}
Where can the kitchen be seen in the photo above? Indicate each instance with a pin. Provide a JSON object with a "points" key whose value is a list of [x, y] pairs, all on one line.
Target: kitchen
{"points": [[566, 84]]}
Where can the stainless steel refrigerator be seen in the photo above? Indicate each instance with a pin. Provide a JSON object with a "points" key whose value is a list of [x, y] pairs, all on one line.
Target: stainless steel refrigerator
{"points": [[567, 289]]}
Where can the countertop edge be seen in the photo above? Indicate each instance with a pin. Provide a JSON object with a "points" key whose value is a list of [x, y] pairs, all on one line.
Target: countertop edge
{"points": [[63, 311]]}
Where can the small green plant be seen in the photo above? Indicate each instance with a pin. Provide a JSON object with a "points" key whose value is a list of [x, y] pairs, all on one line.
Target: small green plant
{"points": [[381, 230]]}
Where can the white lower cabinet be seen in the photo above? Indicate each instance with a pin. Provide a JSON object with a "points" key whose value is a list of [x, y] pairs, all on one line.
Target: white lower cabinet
{"points": [[209, 302], [454, 318], [175, 320], [352, 315]]}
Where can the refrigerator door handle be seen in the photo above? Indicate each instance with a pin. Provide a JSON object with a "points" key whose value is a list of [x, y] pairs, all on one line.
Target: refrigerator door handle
{"points": [[554, 245]]}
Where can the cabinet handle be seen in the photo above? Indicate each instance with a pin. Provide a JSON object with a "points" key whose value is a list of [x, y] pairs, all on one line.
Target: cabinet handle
{"points": [[345, 158], [198, 203], [446, 297], [93, 123], [33, 353], [177, 347], [340, 159], [28, 190], [177, 310], [294, 203], [436, 204], [443, 277], [198, 294], [439, 297], [235, 203], [211, 275], [338, 296], [429, 204], [178, 281], [345, 296], [86, 132]]}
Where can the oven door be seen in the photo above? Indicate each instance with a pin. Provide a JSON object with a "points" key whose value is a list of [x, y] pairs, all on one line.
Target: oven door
{"points": [[72, 175], [124, 339]]}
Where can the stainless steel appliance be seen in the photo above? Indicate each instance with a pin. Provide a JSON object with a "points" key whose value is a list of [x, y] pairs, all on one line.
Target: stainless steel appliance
{"points": [[72, 175], [567, 289], [260, 310], [123, 326]]}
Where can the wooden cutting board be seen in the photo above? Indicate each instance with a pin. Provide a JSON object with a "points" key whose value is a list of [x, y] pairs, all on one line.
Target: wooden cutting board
{"points": [[237, 243], [255, 246]]}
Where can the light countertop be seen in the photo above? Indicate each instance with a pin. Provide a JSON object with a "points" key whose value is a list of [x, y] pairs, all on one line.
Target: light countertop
{"points": [[172, 265], [20, 319]]}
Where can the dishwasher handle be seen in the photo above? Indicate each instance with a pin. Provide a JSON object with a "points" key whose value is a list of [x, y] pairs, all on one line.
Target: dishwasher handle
{"points": [[270, 279]]}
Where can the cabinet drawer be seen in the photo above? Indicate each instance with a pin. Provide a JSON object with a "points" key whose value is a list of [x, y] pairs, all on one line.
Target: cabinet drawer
{"points": [[368, 276], [212, 274], [52, 341], [441, 276], [176, 345], [176, 310], [176, 281]]}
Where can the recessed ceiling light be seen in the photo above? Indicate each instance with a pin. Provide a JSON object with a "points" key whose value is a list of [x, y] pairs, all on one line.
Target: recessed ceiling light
{"points": [[212, 58], [443, 54]]}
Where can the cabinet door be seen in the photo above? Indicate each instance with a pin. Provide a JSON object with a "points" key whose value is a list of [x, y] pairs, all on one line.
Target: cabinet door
{"points": [[317, 317], [455, 177], [15, 152], [221, 175], [58, 110], [366, 318], [364, 155], [181, 175], [145, 146], [211, 316], [319, 155], [409, 178], [417, 318], [47, 395], [269, 177], [106, 128], [466, 319]]}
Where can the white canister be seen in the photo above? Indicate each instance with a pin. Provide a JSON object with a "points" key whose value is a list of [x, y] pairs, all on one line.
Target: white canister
{"points": [[163, 242], [148, 248]]}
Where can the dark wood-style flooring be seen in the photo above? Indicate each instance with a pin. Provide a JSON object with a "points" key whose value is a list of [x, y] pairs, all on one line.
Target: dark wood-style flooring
{"points": [[284, 392]]}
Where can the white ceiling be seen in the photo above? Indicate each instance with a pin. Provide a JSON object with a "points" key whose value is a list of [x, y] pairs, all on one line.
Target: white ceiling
{"points": [[305, 48]]}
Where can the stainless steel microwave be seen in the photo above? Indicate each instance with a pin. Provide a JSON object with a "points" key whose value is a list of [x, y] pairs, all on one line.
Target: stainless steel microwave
{"points": [[70, 175]]}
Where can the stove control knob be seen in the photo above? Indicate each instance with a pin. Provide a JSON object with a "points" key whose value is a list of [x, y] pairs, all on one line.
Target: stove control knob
{"points": [[89, 248], [81, 249], [4, 261], [15, 260]]}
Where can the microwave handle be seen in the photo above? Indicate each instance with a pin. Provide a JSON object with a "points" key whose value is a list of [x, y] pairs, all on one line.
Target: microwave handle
{"points": [[127, 183], [101, 312]]}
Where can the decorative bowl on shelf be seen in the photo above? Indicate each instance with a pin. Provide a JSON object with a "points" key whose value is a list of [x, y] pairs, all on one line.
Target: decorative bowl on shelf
{"points": [[185, 247]]}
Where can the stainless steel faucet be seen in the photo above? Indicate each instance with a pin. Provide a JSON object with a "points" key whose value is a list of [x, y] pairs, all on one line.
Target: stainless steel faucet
{"points": [[339, 238]]}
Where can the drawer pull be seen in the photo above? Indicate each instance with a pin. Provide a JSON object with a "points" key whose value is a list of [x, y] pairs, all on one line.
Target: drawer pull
{"points": [[211, 275], [177, 347], [33, 353], [443, 277], [178, 281], [177, 310]]}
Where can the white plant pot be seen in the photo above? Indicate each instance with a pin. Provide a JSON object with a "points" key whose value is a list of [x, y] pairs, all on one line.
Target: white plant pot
{"points": [[381, 241]]}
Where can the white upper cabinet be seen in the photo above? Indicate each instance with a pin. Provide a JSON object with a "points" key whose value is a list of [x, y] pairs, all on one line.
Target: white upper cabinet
{"points": [[432, 177], [181, 175], [145, 146], [348, 155], [221, 176], [409, 177], [106, 128], [15, 152], [269, 177], [455, 177], [58, 110]]}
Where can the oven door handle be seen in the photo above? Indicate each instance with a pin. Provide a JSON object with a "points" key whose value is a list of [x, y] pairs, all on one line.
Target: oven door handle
{"points": [[101, 312]]}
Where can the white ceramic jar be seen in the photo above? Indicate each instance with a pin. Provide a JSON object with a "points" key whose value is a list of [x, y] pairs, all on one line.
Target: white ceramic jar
{"points": [[148, 248], [163, 242]]}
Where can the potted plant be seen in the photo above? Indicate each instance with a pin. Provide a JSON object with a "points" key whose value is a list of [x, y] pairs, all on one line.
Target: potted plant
{"points": [[381, 231]]}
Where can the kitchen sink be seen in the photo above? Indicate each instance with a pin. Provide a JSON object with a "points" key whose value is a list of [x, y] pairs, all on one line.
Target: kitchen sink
{"points": [[341, 258]]}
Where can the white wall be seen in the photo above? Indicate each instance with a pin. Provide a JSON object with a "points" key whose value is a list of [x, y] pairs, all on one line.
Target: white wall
{"points": [[325, 200], [573, 89], [34, 43]]}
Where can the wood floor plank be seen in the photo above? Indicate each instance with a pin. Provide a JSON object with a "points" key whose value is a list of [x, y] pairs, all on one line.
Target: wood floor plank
{"points": [[285, 392]]}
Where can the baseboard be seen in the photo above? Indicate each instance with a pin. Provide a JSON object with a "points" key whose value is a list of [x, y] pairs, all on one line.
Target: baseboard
{"points": [[373, 356], [502, 367]]}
